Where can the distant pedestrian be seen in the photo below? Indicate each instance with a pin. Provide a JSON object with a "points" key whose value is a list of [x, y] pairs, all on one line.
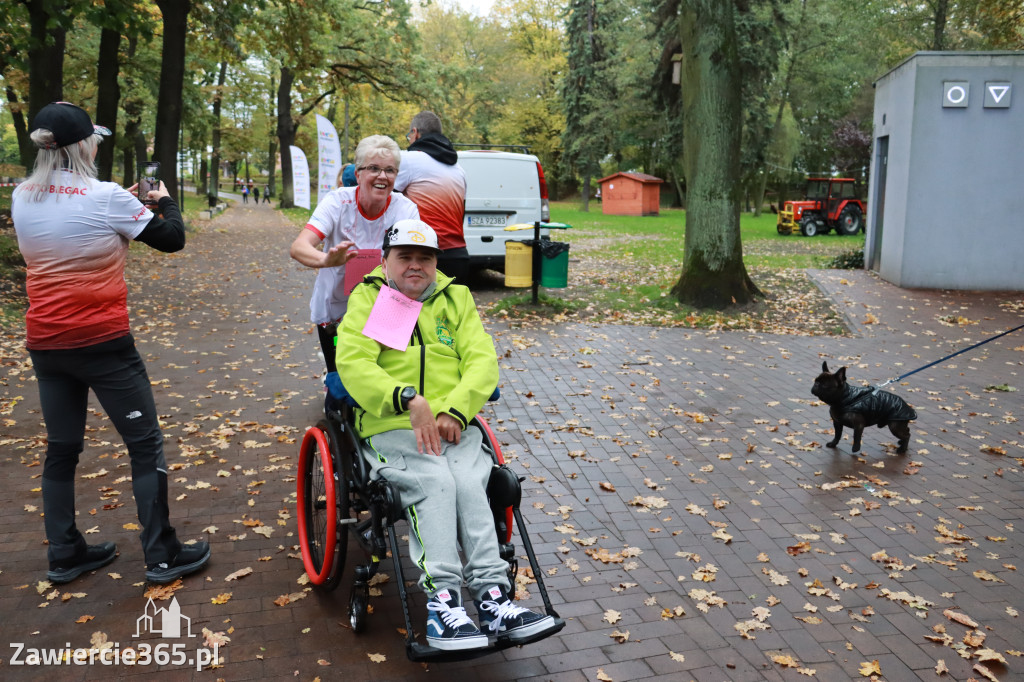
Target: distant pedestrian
{"points": [[245, 194], [256, 195], [266, 194]]}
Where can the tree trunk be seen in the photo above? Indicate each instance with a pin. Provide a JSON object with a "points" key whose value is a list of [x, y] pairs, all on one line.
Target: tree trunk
{"points": [[680, 197], [128, 151], [45, 60], [939, 25], [133, 112], [759, 189], [108, 94], [286, 135], [141, 147], [25, 145], [272, 148], [344, 148], [203, 173], [215, 143], [585, 207], [169, 100], [713, 274], [797, 52]]}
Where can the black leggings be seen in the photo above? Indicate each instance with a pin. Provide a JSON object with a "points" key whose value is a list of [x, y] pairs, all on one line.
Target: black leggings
{"points": [[116, 374]]}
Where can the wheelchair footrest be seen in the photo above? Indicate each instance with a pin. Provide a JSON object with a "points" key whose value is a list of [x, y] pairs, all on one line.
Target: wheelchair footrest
{"points": [[420, 652]]}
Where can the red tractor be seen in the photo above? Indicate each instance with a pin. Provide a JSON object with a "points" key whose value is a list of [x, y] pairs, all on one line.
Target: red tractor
{"points": [[830, 204]]}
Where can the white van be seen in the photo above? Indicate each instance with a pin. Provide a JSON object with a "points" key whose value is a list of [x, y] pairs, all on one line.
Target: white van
{"points": [[502, 188]]}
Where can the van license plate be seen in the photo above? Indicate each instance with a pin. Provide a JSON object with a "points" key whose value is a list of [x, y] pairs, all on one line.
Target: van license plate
{"points": [[486, 220]]}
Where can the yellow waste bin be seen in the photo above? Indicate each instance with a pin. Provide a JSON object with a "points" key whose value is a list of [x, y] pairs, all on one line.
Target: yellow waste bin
{"points": [[518, 264]]}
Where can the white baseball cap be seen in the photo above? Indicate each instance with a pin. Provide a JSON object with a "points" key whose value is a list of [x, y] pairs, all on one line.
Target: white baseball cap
{"points": [[410, 232]]}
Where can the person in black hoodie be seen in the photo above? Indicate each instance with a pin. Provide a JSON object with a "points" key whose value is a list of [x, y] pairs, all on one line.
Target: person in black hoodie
{"points": [[432, 178]]}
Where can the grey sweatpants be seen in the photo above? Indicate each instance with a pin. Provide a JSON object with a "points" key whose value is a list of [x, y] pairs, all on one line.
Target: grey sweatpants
{"points": [[441, 494]]}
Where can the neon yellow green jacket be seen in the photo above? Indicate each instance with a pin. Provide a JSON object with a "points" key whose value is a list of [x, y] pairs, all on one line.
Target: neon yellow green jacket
{"points": [[450, 359]]}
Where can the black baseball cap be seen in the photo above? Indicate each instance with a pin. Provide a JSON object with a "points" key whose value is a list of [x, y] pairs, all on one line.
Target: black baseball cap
{"points": [[68, 123]]}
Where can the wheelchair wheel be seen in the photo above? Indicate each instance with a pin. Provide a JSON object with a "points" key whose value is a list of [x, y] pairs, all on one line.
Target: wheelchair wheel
{"points": [[341, 459], [358, 607], [317, 502]]}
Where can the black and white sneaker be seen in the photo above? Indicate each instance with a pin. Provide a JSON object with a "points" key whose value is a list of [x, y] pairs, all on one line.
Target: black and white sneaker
{"points": [[188, 560], [448, 626], [95, 556], [500, 617]]}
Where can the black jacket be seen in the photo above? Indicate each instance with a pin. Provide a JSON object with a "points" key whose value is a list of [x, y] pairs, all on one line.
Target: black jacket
{"points": [[437, 146], [877, 406]]}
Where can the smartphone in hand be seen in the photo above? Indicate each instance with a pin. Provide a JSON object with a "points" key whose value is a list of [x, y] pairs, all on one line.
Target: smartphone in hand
{"points": [[149, 179]]}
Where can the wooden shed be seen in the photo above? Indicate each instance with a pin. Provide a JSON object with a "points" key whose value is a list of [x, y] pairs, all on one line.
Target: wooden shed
{"points": [[630, 194]]}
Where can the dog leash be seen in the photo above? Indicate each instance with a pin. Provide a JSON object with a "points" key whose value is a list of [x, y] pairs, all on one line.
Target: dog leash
{"points": [[951, 355]]}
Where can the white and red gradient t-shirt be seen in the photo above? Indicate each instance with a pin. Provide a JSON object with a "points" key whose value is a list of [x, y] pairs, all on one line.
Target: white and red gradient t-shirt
{"points": [[339, 219], [439, 190], [75, 243]]}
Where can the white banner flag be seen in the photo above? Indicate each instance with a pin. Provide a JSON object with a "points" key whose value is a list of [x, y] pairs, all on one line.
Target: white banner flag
{"points": [[300, 177], [329, 161]]}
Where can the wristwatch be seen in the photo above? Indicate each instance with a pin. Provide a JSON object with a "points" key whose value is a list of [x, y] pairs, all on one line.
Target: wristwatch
{"points": [[407, 394]]}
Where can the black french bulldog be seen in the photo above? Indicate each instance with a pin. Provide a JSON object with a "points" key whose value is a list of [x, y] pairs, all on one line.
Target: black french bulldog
{"points": [[858, 407]]}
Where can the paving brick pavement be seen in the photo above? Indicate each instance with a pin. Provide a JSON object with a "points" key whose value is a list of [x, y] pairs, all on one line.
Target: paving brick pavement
{"points": [[659, 462]]}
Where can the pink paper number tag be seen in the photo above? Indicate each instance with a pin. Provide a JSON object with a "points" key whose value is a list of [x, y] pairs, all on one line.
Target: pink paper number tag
{"points": [[392, 319], [362, 265]]}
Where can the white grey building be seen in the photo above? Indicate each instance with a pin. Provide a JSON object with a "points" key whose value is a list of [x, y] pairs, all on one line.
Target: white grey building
{"points": [[946, 196]]}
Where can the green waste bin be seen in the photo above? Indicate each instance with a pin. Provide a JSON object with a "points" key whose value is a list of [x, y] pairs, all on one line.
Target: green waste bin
{"points": [[554, 269]]}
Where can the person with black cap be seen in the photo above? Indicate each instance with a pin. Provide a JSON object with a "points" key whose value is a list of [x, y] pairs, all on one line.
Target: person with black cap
{"points": [[73, 232]]}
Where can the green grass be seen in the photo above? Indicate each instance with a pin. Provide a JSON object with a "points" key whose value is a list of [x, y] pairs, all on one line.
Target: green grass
{"points": [[659, 239], [298, 216], [622, 269], [520, 305], [192, 206]]}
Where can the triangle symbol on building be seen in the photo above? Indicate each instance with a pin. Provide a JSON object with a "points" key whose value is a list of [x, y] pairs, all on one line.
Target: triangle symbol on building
{"points": [[998, 92]]}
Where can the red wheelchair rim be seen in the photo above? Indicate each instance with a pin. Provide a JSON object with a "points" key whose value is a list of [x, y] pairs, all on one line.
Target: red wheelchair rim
{"points": [[315, 438]]}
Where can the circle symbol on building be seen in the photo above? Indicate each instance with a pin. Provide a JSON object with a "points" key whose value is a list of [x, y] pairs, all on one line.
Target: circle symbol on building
{"points": [[956, 94]]}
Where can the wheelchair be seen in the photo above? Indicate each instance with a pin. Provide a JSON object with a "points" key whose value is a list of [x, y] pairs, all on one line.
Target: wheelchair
{"points": [[337, 501]]}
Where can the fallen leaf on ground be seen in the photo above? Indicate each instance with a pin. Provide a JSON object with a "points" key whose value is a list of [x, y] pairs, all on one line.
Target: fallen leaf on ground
{"points": [[786, 661], [989, 655], [961, 618], [868, 669], [160, 592], [982, 574], [210, 638], [286, 599], [240, 573], [720, 534], [985, 672]]}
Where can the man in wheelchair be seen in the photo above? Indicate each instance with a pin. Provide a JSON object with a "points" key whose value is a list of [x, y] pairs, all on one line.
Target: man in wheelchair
{"points": [[415, 404]]}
